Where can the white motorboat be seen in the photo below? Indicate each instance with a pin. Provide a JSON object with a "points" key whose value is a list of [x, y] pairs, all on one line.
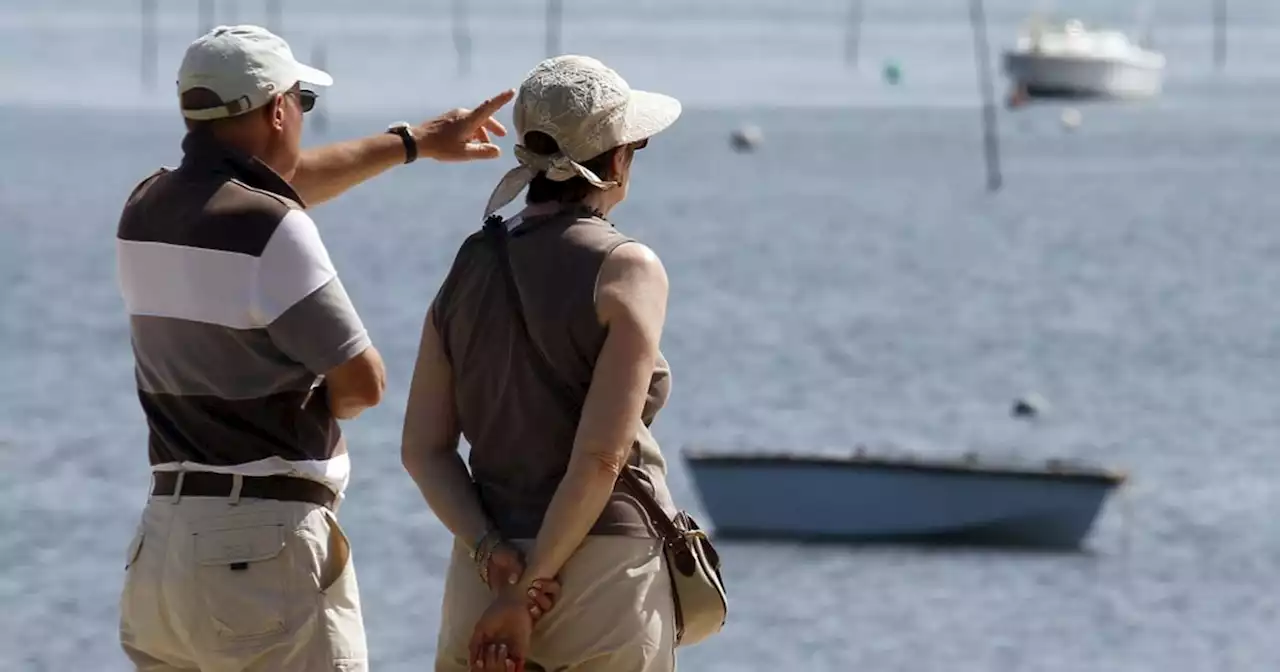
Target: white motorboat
{"points": [[1068, 60]]}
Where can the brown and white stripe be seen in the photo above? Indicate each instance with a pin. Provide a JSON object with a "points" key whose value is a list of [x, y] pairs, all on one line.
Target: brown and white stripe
{"points": [[235, 309]]}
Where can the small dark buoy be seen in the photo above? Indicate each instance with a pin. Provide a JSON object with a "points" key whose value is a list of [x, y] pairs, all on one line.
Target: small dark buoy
{"points": [[746, 139], [1030, 406]]}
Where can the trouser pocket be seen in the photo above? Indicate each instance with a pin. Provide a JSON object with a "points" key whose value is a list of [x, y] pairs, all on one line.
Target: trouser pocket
{"points": [[242, 575], [337, 562], [135, 548], [339, 596]]}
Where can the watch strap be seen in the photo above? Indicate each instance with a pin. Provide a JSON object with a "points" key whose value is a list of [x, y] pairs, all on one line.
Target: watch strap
{"points": [[410, 145]]}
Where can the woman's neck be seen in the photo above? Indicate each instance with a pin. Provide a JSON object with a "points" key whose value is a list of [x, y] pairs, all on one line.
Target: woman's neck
{"points": [[595, 203], [601, 201], [541, 209]]}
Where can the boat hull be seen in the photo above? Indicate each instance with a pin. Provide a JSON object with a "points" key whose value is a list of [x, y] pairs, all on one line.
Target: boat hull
{"points": [[802, 499], [1082, 77]]}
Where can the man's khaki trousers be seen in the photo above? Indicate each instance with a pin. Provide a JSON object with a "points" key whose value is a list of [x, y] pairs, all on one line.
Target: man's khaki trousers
{"points": [[251, 586]]}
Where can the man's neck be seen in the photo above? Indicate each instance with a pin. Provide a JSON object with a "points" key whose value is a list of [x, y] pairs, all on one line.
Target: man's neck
{"points": [[238, 139]]}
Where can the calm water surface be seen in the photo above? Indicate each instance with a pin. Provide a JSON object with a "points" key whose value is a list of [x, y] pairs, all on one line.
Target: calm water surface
{"points": [[850, 282]]}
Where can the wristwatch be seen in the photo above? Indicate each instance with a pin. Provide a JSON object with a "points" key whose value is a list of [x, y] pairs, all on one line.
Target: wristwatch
{"points": [[401, 128]]}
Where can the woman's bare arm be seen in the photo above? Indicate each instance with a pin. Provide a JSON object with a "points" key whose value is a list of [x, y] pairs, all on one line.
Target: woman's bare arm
{"points": [[631, 301], [429, 445]]}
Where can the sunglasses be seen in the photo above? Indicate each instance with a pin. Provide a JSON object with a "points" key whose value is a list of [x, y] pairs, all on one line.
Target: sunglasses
{"points": [[637, 146], [306, 99]]}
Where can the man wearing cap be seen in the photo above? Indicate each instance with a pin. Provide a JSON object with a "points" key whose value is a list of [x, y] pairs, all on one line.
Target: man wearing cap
{"points": [[247, 352]]}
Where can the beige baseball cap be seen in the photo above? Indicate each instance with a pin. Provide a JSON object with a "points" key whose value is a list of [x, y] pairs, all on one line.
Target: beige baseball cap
{"points": [[588, 109], [245, 66]]}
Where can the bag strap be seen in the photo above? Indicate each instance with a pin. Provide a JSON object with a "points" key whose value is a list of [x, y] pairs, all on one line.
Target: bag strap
{"points": [[496, 231]]}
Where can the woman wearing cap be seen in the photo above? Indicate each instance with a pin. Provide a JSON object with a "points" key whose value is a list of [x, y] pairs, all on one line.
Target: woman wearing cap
{"points": [[542, 506]]}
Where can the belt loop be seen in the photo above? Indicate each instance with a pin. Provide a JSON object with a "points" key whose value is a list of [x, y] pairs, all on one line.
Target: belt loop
{"points": [[237, 483], [177, 488]]}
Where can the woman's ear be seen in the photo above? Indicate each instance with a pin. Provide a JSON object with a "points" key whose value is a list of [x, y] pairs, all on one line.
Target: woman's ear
{"points": [[618, 163]]}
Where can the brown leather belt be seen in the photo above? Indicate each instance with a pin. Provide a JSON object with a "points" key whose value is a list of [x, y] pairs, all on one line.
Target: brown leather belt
{"points": [[209, 484]]}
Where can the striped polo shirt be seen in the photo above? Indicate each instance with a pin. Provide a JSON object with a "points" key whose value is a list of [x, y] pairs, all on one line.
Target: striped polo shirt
{"points": [[235, 311]]}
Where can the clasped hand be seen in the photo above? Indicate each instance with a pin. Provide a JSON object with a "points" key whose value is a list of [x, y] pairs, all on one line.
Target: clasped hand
{"points": [[500, 639]]}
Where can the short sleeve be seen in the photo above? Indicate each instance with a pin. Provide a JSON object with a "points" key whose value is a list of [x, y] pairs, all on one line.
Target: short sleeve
{"points": [[301, 301]]}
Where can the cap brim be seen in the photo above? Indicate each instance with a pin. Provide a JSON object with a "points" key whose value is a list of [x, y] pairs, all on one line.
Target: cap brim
{"points": [[648, 114], [310, 75]]}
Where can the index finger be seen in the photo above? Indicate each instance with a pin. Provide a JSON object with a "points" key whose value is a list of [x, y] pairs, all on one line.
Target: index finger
{"points": [[495, 126], [489, 107]]}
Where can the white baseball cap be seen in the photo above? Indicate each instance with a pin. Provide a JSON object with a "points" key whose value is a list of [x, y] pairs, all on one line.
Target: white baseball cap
{"points": [[245, 66], [588, 109]]}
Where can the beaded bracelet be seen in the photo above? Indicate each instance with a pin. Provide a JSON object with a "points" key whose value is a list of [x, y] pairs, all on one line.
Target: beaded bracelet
{"points": [[478, 547], [484, 551]]}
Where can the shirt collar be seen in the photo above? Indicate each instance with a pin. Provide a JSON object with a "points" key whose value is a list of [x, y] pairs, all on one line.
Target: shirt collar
{"points": [[202, 151]]}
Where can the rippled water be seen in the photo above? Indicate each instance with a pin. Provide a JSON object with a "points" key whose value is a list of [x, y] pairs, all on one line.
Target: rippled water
{"points": [[851, 282]]}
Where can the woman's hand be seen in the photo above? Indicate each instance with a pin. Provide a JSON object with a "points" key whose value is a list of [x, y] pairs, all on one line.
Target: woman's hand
{"points": [[542, 595], [506, 566], [500, 640]]}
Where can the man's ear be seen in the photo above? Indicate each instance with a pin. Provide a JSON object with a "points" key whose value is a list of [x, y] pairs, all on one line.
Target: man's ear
{"points": [[277, 112]]}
